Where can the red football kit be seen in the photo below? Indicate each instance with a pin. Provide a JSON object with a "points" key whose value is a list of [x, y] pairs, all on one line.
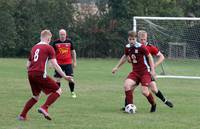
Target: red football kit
{"points": [[37, 75], [153, 50], [63, 51], [141, 69]]}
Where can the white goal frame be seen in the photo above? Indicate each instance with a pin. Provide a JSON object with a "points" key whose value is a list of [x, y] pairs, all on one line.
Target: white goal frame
{"points": [[167, 18], [161, 18]]}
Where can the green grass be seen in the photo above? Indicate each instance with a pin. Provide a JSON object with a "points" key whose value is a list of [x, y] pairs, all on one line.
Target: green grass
{"points": [[186, 67], [100, 96]]}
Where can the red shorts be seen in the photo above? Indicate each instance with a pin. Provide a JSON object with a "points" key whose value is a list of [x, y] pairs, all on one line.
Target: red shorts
{"points": [[143, 78], [38, 83]]}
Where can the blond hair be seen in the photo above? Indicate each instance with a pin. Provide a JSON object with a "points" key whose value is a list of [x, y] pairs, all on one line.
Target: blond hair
{"points": [[142, 33], [45, 33]]}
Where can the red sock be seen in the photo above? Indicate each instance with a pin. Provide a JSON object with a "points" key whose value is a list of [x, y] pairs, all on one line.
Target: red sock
{"points": [[150, 98], [50, 100], [29, 104], [129, 97]]}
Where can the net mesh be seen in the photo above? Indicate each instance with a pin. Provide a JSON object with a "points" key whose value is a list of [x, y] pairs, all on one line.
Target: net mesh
{"points": [[178, 40]]}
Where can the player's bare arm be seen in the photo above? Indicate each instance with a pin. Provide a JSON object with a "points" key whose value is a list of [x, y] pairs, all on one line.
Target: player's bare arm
{"points": [[160, 59], [151, 63], [74, 58], [59, 70], [28, 64], [120, 63]]}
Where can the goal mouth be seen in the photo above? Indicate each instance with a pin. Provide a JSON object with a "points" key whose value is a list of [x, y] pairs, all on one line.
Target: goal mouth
{"points": [[178, 38]]}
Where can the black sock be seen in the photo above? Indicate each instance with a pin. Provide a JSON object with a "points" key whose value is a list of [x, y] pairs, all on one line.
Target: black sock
{"points": [[125, 103], [71, 86], [160, 95], [58, 83]]}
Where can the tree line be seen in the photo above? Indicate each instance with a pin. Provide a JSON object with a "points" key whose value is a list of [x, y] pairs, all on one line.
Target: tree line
{"points": [[102, 34]]}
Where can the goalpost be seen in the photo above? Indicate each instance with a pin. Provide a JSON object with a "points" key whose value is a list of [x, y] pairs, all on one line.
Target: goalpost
{"points": [[178, 38]]}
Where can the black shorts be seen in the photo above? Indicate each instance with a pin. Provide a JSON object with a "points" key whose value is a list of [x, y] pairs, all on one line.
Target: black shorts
{"points": [[67, 69]]}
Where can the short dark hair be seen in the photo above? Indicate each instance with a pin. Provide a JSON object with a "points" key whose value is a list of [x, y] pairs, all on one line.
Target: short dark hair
{"points": [[132, 34]]}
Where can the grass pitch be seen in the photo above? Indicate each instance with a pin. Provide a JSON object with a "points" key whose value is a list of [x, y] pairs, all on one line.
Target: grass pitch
{"points": [[100, 96]]}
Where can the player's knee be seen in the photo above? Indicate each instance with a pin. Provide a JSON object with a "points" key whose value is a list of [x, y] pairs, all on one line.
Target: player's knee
{"points": [[154, 90], [36, 97], [145, 92], [59, 91], [127, 86]]}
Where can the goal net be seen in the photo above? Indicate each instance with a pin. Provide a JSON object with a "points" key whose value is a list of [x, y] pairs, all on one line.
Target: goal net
{"points": [[178, 38]]}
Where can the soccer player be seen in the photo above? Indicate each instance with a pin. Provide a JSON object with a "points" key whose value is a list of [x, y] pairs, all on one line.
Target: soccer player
{"points": [[141, 72], [66, 57], [154, 51], [39, 81]]}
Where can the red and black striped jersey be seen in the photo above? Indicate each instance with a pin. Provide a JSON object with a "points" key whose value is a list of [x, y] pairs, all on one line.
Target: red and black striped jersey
{"points": [[63, 51], [154, 51]]}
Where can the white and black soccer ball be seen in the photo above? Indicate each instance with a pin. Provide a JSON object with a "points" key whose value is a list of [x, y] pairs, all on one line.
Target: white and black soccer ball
{"points": [[130, 108]]}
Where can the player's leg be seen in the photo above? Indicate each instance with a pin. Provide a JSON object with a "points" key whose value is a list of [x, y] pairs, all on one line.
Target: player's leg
{"points": [[131, 82], [29, 104], [125, 101], [33, 100], [149, 96], [145, 82], [128, 88], [159, 94], [54, 91], [69, 72]]}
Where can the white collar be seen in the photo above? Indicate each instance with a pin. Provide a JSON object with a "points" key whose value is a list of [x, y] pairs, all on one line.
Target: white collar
{"points": [[137, 44]]}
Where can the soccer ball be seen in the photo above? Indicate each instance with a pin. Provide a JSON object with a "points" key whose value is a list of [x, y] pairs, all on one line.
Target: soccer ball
{"points": [[130, 108]]}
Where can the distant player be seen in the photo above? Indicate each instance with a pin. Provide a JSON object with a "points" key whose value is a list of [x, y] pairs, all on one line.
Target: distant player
{"points": [[154, 51], [142, 70], [66, 57], [39, 81]]}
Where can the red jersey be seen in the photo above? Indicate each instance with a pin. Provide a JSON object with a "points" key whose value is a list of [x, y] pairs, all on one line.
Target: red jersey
{"points": [[39, 56], [154, 51], [138, 54], [63, 51]]}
